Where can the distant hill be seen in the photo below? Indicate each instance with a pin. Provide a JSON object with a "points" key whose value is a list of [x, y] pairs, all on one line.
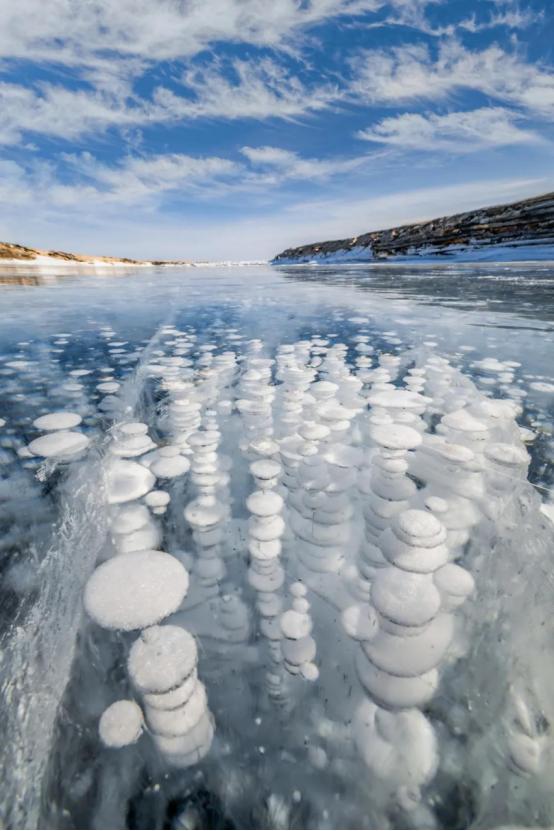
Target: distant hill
{"points": [[518, 231], [12, 251]]}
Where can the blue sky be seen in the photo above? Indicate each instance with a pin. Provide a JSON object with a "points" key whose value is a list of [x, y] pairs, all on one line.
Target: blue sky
{"points": [[212, 129]]}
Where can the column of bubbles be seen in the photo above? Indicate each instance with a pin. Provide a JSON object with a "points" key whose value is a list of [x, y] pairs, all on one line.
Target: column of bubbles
{"points": [[132, 527], [505, 475], [297, 645], [444, 385], [295, 380], [162, 666], [451, 478], [226, 367], [386, 491], [206, 514], [410, 631], [256, 394], [132, 591], [265, 572], [321, 538]]}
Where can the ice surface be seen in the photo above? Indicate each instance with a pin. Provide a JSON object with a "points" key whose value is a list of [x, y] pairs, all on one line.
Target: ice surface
{"points": [[348, 623]]}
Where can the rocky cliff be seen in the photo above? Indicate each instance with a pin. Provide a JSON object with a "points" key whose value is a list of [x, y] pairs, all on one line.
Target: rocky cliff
{"points": [[520, 230]]}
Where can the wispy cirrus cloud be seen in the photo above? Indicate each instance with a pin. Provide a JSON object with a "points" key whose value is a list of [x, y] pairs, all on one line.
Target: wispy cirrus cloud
{"points": [[275, 165], [410, 72], [454, 132], [80, 182], [245, 89], [101, 31]]}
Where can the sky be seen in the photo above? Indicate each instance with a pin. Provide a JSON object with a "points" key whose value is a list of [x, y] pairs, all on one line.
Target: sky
{"points": [[232, 129]]}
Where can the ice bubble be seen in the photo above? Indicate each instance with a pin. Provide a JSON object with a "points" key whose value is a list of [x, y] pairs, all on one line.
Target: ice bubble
{"points": [[129, 518], [149, 536], [412, 655], [187, 749], [133, 428], [264, 503], [455, 583], [121, 724], [295, 624], [309, 671], [407, 598], [59, 444], [265, 470], [126, 481], [400, 748], [175, 697], [135, 590], [180, 720], [395, 436], [360, 622], [393, 691], [506, 454], [169, 467], [463, 421], [57, 421], [157, 499], [161, 658]]}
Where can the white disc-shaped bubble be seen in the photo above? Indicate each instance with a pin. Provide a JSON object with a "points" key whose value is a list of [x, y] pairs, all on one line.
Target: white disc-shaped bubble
{"points": [[396, 436], [179, 721], [264, 503], [135, 590], [169, 467], [157, 499], [133, 428], [129, 518], [189, 748], [393, 691], [407, 598], [175, 697], [57, 421], [126, 481], [161, 658], [400, 748], [295, 624], [59, 444], [121, 724], [415, 655]]}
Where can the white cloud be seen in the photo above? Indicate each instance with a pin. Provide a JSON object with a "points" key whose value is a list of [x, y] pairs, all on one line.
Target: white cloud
{"points": [[135, 183], [244, 89], [64, 113], [511, 18], [250, 237], [97, 31], [275, 165], [410, 72], [455, 131], [86, 185]]}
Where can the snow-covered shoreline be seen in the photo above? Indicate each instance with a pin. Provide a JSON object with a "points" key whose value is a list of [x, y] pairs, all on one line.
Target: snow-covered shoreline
{"points": [[489, 254], [42, 262]]}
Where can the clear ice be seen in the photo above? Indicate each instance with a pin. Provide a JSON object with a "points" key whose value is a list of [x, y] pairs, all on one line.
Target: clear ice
{"points": [[293, 584]]}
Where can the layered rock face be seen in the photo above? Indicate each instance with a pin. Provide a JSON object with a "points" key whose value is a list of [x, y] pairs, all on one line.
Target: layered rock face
{"points": [[520, 230]]}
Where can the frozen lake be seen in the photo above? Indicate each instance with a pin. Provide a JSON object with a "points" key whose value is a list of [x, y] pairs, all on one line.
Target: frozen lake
{"points": [[350, 471]]}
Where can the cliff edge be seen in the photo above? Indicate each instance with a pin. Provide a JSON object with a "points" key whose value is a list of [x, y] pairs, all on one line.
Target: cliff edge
{"points": [[517, 231]]}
